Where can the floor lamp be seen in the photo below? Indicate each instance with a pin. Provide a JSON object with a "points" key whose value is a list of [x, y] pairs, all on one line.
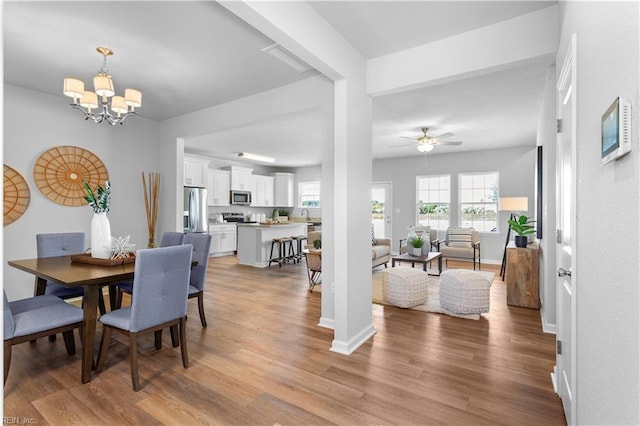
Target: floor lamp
{"points": [[512, 205]]}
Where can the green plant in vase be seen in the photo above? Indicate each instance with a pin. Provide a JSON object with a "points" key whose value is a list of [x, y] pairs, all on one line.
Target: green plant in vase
{"points": [[100, 226], [522, 226], [317, 244], [416, 243]]}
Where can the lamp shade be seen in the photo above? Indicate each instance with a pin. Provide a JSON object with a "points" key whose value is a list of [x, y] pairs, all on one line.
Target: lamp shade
{"points": [[425, 147], [73, 88], [513, 204], [118, 105], [103, 85], [89, 100], [132, 97]]}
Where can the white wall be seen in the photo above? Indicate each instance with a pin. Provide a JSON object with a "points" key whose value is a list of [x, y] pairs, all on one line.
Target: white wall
{"points": [[547, 139], [515, 167], [608, 201], [36, 122]]}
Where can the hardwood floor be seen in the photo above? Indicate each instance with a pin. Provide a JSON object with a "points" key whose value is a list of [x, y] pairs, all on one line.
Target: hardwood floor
{"points": [[264, 360]]}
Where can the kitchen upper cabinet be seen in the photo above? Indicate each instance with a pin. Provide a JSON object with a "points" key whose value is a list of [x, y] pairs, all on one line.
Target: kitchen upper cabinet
{"points": [[195, 171], [240, 178], [218, 186], [284, 189], [263, 191]]}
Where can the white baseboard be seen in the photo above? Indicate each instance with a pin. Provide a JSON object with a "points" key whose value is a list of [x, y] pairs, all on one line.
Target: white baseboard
{"points": [[547, 327], [326, 323], [347, 348]]}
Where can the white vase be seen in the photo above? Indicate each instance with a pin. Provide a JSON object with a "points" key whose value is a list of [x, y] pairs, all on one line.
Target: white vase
{"points": [[416, 251], [100, 236]]}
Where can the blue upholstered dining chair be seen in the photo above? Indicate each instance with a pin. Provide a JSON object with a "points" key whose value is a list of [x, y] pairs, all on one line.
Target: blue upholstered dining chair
{"points": [[63, 244], [159, 300], [201, 246], [40, 316], [168, 239]]}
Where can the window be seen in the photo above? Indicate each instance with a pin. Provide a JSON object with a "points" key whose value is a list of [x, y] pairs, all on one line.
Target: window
{"points": [[434, 197], [479, 201], [309, 194]]}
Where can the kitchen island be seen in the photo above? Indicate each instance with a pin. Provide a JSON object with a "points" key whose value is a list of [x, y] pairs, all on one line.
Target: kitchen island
{"points": [[254, 240]]}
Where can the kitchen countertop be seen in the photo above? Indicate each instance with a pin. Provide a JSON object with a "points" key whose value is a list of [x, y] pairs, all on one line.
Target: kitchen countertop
{"points": [[269, 225]]}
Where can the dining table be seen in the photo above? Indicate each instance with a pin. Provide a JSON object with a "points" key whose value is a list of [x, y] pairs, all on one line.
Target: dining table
{"points": [[64, 271]]}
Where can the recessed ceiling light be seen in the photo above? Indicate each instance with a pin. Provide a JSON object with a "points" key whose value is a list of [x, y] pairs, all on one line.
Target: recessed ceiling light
{"points": [[256, 157], [287, 57]]}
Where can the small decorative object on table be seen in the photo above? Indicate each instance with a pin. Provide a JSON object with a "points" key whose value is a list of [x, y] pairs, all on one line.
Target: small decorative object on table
{"points": [[522, 226], [100, 226], [120, 247], [416, 243], [317, 244]]}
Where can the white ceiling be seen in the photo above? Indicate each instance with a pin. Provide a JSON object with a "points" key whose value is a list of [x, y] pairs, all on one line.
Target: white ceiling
{"points": [[186, 56]]}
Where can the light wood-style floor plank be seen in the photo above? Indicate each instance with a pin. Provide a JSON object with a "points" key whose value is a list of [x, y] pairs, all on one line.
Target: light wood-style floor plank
{"points": [[263, 360]]}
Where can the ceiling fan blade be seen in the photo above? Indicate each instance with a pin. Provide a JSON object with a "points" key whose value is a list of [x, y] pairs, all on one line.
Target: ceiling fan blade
{"points": [[444, 135], [407, 137], [449, 143], [401, 145]]}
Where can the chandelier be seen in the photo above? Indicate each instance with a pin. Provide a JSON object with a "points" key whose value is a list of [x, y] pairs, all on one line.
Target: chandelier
{"points": [[86, 101]]}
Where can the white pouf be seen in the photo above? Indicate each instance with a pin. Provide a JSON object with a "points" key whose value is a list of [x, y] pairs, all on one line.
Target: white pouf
{"points": [[404, 287], [464, 292]]}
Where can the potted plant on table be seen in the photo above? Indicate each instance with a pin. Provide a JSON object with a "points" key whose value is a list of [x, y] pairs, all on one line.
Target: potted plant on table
{"points": [[522, 226], [100, 226], [416, 244]]}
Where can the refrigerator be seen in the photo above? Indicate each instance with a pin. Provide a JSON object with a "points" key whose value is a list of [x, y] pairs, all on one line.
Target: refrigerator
{"points": [[195, 210]]}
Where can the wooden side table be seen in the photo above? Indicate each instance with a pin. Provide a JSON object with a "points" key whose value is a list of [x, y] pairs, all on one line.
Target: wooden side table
{"points": [[522, 276]]}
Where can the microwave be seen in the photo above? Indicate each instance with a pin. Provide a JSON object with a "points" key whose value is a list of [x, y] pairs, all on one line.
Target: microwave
{"points": [[242, 198]]}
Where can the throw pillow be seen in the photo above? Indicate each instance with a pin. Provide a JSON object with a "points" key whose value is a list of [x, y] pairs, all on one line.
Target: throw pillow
{"points": [[373, 236], [460, 237]]}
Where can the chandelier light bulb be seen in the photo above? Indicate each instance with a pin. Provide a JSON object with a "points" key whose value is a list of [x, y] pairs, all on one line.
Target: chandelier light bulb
{"points": [[86, 101]]}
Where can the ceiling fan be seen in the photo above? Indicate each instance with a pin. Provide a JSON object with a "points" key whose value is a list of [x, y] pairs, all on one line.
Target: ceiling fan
{"points": [[426, 143]]}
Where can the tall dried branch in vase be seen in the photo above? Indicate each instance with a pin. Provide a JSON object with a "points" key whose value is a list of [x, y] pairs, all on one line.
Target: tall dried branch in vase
{"points": [[151, 191]]}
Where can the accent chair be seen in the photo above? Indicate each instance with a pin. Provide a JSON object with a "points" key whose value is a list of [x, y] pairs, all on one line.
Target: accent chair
{"points": [[460, 244]]}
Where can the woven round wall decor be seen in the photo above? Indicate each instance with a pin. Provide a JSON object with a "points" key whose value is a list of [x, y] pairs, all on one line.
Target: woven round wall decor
{"points": [[60, 171], [16, 195]]}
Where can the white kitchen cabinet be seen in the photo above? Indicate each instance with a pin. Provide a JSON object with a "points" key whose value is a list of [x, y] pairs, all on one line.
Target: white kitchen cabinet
{"points": [[284, 189], [218, 186], [263, 191], [195, 171], [241, 178], [223, 239]]}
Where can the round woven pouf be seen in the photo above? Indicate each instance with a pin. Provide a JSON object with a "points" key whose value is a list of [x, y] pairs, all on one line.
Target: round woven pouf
{"points": [[405, 287]]}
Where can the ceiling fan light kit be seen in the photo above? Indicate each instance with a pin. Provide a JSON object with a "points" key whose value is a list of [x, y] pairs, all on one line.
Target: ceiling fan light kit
{"points": [[426, 143], [86, 101]]}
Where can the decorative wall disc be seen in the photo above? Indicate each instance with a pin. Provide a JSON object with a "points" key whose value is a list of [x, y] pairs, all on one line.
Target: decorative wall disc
{"points": [[16, 195], [60, 171]]}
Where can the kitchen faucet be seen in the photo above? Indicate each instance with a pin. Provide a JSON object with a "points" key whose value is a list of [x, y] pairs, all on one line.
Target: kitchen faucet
{"points": [[305, 210]]}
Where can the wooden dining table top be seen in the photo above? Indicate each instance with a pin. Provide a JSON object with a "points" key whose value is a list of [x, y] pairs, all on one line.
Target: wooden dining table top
{"points": [[74, 274]]}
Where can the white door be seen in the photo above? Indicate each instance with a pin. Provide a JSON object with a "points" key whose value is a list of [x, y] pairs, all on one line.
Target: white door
{"points": [[566, 280], [381, 209]]}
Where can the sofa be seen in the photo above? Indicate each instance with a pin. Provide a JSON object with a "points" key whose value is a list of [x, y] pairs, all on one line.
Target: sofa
{"points": [[380, 251]]}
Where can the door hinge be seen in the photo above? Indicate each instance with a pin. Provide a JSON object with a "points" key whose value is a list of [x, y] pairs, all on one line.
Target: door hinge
{"points": [[559, 125], [558, 347], [558, 236]]}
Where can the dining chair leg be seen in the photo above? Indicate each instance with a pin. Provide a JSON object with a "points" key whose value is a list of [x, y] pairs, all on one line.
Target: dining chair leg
{"points": [[118, 299], [133, 360], [7, 359], [158, 339], [101, 306], [104, 346], [69, 342], [173, 330], [183, 342], [203, 320]]}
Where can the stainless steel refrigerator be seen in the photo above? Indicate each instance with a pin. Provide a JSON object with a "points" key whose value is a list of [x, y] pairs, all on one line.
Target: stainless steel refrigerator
{"points": [[195, 209]]}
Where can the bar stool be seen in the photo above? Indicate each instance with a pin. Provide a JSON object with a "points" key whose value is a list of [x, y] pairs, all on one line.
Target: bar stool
{"points": [[298, 239], [282, 250]]}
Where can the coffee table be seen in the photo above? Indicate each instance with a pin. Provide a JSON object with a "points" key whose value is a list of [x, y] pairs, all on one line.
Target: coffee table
{"points": [[419, 259]]}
